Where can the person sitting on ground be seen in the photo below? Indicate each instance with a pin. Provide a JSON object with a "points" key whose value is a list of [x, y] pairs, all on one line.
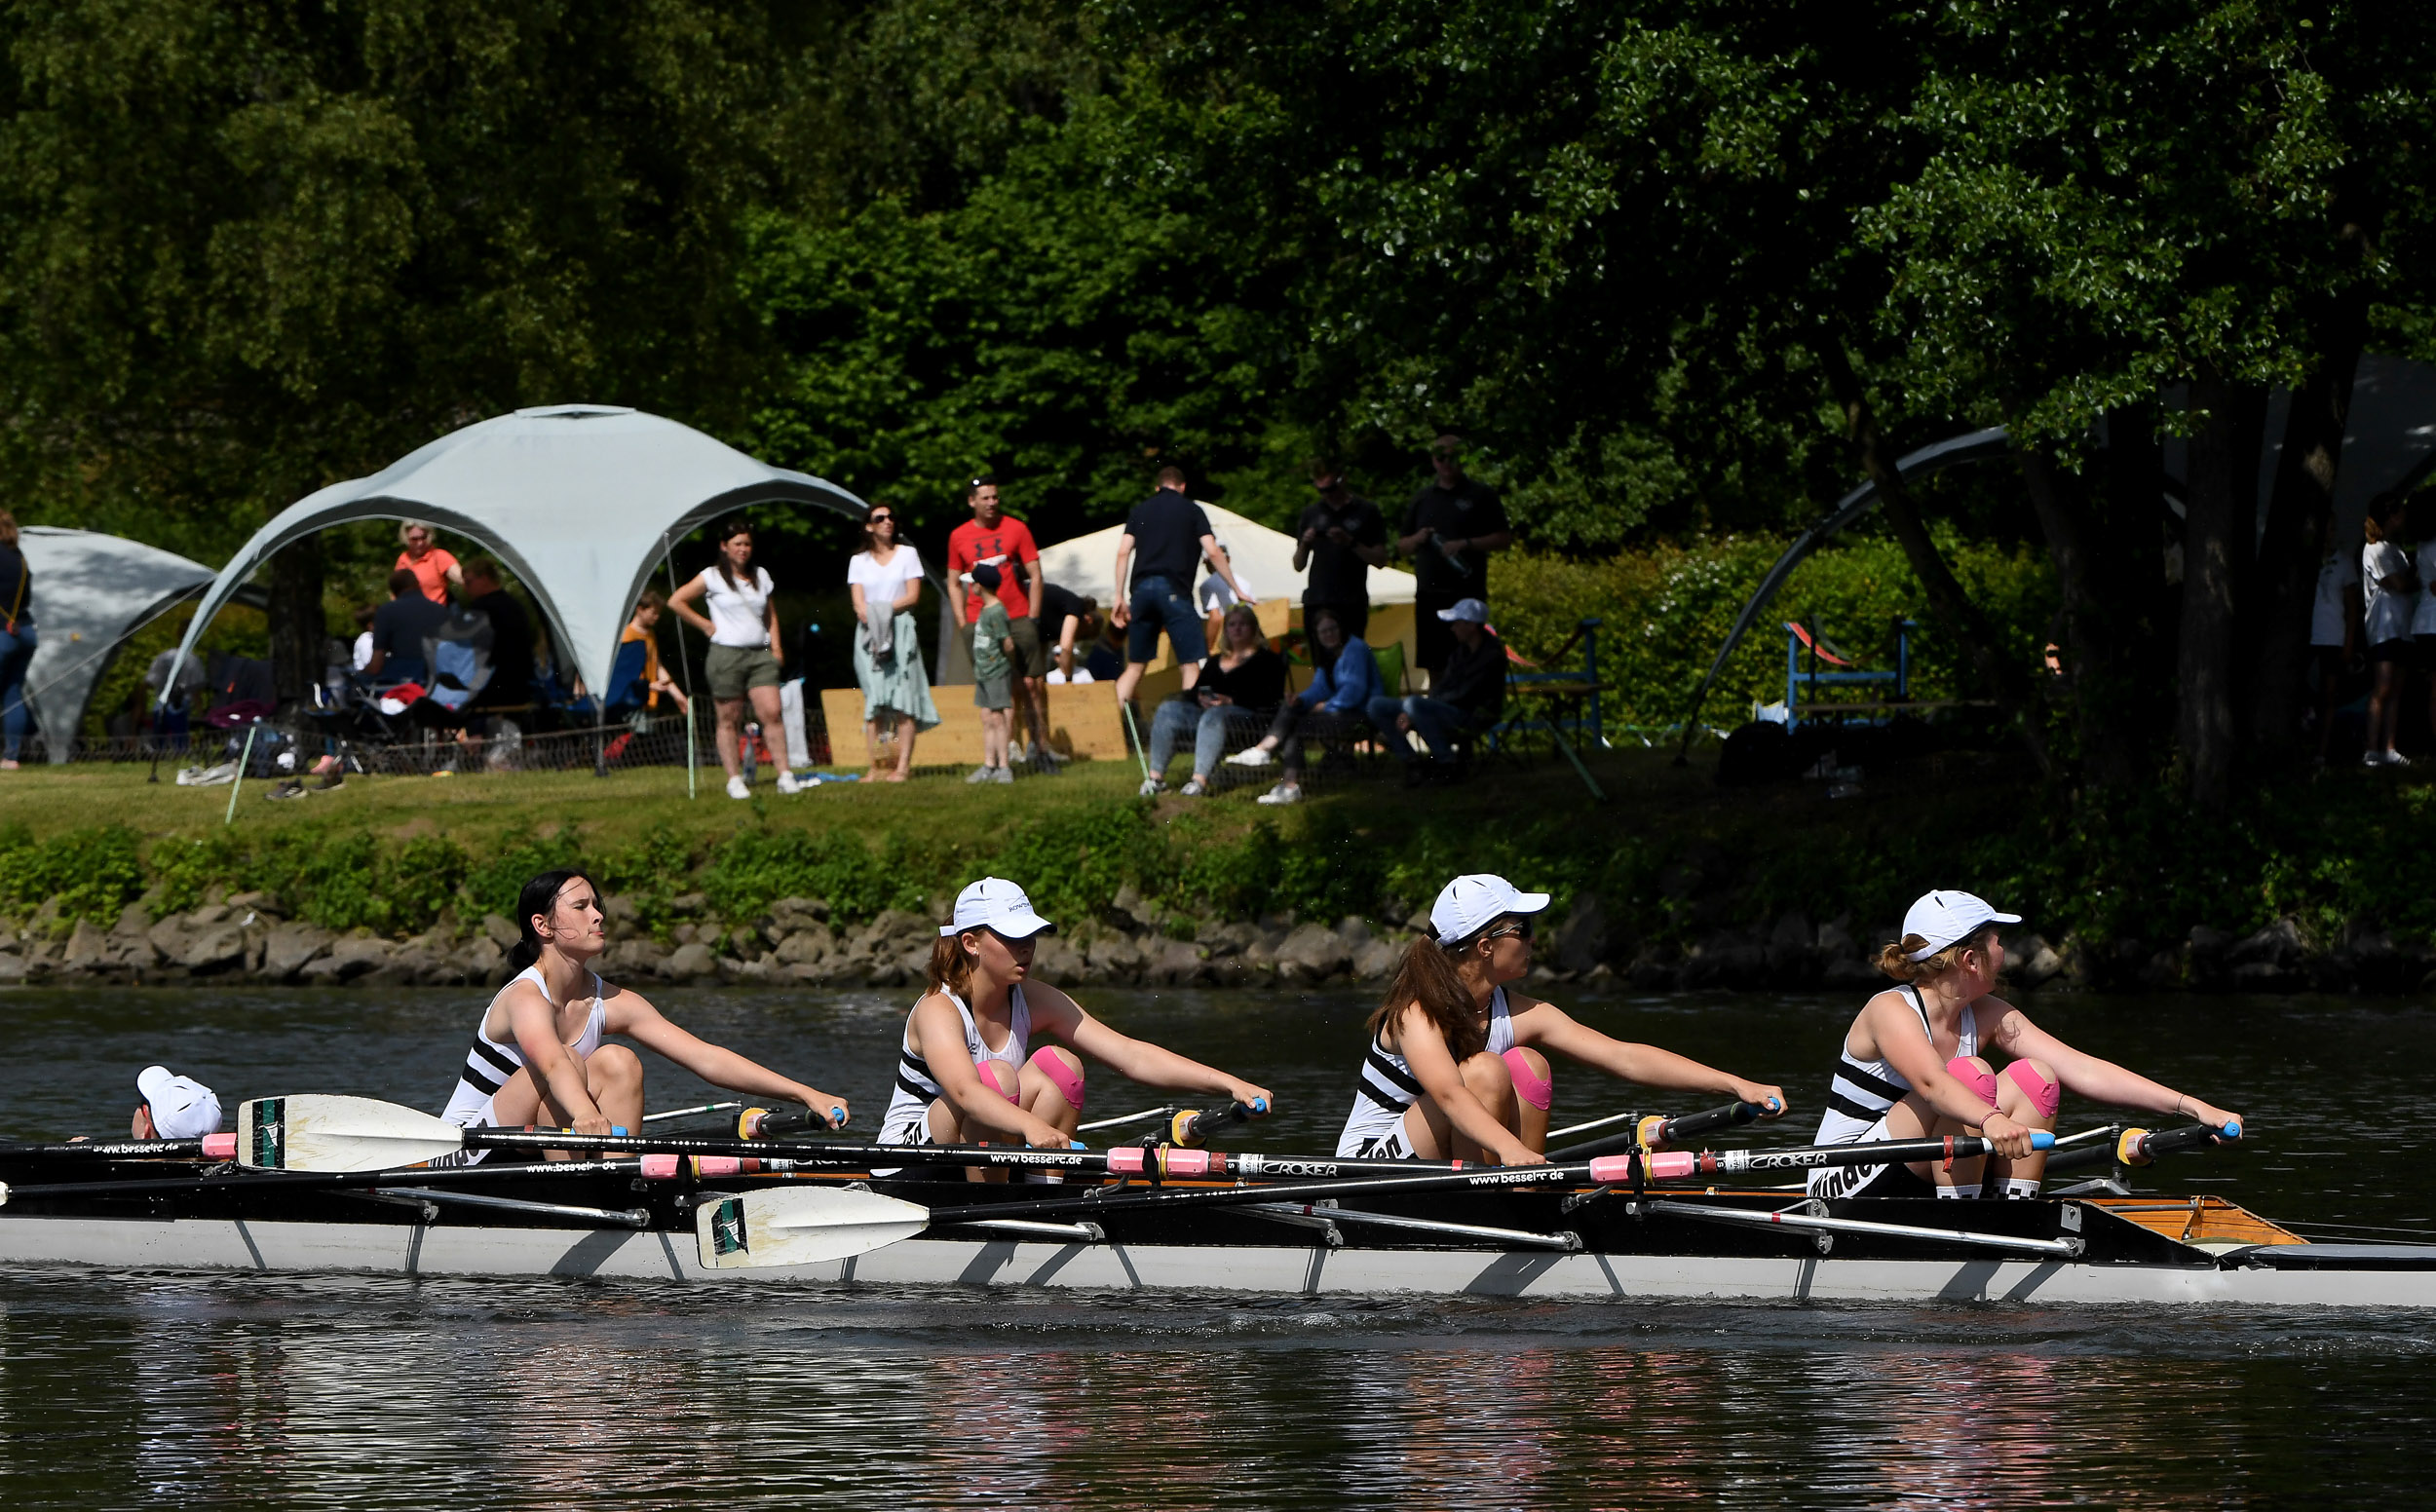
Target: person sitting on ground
{"points": [[993, 675], [1914, 1066], [1238, 691], [967, 1070], [539, 1056], [1468, 695], [1344, 678], [1458, 1066], [400, 629], [637, 680], [174, 1107]]}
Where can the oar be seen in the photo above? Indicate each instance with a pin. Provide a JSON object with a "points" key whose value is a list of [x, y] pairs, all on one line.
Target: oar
{"points": [[2141, 1147], [1657, 1131], [115, 1149], [687, 1113], [806, 1225], [1119, 1121], [263, 1181], [1189, 1129]]}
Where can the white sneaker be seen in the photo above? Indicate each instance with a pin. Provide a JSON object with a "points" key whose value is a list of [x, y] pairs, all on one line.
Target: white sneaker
{"points": [[1283, 793], [1044, 753], [1251, 756], [2372, 758], [2396, 759], [738, 789], [979, 774], [788, 784], [1003, 775], [1196, 788], [1151, 788]]}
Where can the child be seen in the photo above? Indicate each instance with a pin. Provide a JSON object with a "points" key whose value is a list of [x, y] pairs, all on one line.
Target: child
{"points": [[993, 650]]}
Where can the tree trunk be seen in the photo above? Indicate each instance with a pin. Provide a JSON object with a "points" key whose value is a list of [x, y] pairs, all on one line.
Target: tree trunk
{"points": [[2220, 524], [299, 629], [2097, 630], [1948, 604]]}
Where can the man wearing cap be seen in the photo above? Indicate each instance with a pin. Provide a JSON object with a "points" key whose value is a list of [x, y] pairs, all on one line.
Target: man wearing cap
{"points": [[1467, 696], [1450, 528], [174, 1107], [1458, 1066], [1916, 1064], [967, 1069]]}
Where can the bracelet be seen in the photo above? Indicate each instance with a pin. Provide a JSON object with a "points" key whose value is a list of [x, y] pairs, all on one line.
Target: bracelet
{"points": [[2179, 1099]]}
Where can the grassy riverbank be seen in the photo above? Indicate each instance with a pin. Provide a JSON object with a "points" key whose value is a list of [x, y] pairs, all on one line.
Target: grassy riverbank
{"points": [[1678, 865]]}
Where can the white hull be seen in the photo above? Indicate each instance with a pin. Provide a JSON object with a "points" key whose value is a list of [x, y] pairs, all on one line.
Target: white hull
{"points": [[446, 1250]]}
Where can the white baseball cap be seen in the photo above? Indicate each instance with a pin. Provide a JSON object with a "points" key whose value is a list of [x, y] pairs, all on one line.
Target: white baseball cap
{"points": [[1468, 904], [998, 906], [183, 1108], [1471, 609], [1943, 918]]}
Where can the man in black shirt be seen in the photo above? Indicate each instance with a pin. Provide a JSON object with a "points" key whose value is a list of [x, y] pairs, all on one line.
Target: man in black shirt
{"points": [[1467, 696], [1067, 621], [398, 630], [1341, 538], [510, 684], [1172, 537], [1450, 528]]}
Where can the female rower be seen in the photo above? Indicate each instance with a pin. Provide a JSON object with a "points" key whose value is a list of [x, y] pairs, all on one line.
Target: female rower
{"points": [[968, 1070], [1915, 1064], [1458, 1066], [538, 1055]]}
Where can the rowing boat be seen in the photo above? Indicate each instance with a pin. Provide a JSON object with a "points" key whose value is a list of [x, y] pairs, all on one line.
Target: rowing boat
{"points": [[1584, 1239]]}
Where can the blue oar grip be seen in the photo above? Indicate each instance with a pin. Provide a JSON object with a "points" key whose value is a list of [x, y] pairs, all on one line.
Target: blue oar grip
{"points": [[1260, 1105], [619, 1129], [1076, 1143], [2040, 1139], [2231, 1130], [837, 1117]]}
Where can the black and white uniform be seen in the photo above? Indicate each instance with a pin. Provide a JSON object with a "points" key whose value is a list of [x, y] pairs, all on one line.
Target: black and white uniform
{"points": [[908, 1117], [490, 1062], [1375, 1129], [1858, 1103]]}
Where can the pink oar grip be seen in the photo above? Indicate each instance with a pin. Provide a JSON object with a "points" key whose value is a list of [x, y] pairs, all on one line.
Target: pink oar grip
{"points": [[1127, 1159], [219, 1146], [718, 1166], [1662, 1165], [660, 1167], [1186, 1163]]}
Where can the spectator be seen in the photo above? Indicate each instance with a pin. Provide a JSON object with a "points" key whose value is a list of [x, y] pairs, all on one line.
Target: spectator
{"points": [[1068, 620], [1450, 528], [361, 656], [16, 642], [1006, 543], [1340, 537], [1171, 534], [742, 664], [885, 582], [637, 680], [1216, 597], [510, 685], [2386, 576], [1343, 680], [2334, 635], [400, 629], [1466, 696], [433, 567], [1238, 691], [993, 666], [2419, 516]]}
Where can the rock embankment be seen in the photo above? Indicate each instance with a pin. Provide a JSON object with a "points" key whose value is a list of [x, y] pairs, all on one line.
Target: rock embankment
{"points": [[1134, 942]]}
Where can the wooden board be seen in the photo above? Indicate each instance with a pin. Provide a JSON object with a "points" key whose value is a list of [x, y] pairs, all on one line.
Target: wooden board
{"points": [[1083, 721]]}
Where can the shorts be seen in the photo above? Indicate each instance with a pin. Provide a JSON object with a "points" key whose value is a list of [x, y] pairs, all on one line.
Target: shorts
{"points": [[993, 693], [733, 670], [1834, 1182], [1160, 605], [1385, 1147], [1029, 660], [2401, 649]]}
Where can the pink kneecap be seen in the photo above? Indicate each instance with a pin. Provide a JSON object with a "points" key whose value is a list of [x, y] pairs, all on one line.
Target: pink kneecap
{"points": [[996, 1075], [2044, 1096], [1979, 1078], [1067, 1079], [1529, 1084]]}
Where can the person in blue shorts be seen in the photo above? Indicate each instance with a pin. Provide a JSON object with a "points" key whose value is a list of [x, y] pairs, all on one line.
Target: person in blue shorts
{"points": [[1165, 539]]}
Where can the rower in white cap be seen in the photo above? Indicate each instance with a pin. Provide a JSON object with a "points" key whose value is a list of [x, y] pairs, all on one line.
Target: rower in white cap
{"points": [[968, 1070], [1457, 1067], [174, 1107], [1915, 1064]]}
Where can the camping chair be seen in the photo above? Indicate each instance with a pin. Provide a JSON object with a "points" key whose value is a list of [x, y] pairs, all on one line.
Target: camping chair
{"points": [[1555, 701], [1803, 639]]}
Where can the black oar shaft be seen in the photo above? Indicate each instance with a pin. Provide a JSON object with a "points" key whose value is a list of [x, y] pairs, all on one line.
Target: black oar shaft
{"points": [[1669, 1132], [107, 1150], [309, 1181]]}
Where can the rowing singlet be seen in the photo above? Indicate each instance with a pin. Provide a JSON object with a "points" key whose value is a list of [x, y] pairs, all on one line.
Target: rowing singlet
{"points": [[490, 1062], [907, 1120], [1388, 1086], [1863, 1090]]}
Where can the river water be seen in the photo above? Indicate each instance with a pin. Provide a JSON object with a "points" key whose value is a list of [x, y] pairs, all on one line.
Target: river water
{"points": [[235, 1390]]}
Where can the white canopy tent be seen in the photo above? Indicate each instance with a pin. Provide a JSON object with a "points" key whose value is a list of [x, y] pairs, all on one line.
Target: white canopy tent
{"points": [[582, 501], [1263, 560], [90, 592]]}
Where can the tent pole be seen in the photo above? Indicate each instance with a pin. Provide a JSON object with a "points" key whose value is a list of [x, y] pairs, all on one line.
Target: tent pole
{"points": [[242, 762]]}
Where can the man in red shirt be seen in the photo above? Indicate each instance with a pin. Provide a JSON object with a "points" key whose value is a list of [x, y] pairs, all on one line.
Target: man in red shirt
{"points": [[1006, 542]]}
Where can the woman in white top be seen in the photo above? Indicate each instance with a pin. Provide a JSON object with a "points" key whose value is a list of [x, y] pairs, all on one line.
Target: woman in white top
{"points": [[1914, 1066], [1457, 1065], [886, 581], [744, 651], [538, 1055], [968, 1068], [2389, 586], [1218, 595]]}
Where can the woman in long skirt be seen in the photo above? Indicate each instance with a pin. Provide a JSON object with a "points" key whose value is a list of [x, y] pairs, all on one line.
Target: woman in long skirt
{"points": [[886, 581]]}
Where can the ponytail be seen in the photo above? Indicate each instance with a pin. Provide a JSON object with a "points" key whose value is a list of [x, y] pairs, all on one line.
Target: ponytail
{"points": [[951, 966], [1426, 976], [1896, 961], [539, 896]]}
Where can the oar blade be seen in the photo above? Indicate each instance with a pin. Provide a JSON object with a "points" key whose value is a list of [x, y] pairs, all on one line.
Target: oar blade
{"points": [[800, 1225], [325, 1132]]}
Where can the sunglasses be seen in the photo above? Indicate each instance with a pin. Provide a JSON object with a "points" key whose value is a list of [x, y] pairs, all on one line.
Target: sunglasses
{"points": [[1519, 928], [881, 519]]}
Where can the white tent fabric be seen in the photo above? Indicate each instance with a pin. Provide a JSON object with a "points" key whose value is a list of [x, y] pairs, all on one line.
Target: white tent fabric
{"points": [[90, 592], [1263, 559], [580, 501]]}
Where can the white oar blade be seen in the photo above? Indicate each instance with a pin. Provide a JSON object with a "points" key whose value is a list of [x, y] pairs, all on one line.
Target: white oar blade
{"points": [[322, 1132], [800, 1225]]}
